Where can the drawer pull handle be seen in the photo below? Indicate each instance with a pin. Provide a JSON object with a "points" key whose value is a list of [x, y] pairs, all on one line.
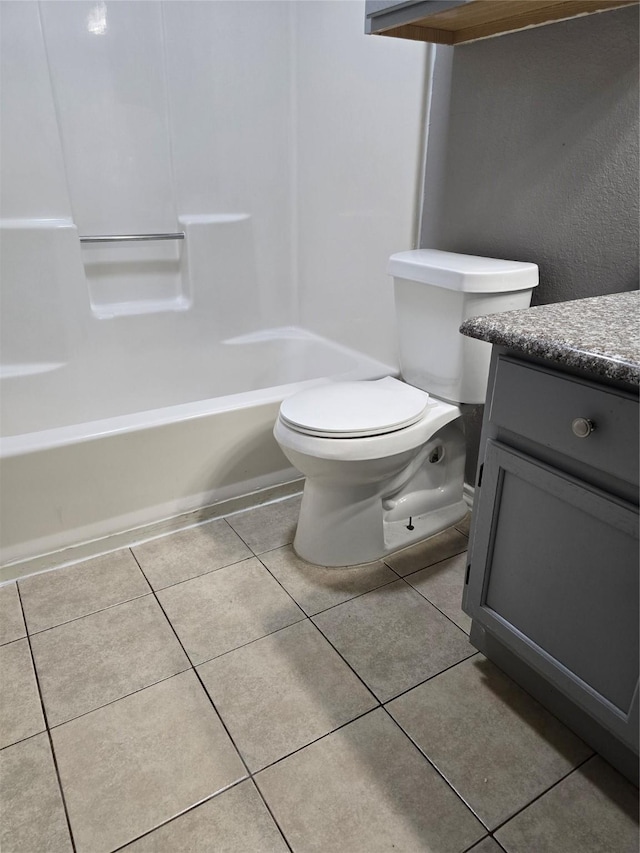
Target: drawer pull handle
{"points": [[582, 427]]}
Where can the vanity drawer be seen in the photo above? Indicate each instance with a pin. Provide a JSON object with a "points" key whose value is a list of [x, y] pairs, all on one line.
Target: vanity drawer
{"points": [[542, 405]]}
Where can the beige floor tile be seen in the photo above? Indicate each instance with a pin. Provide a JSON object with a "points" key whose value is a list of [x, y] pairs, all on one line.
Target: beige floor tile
{"points": [[11, 621], [593, 810], [446, 544], [282, 692], [20, 709], [443, 584], [33, 816], [190, 553], [393, 638], [222, 610], [134, 764], [316, 588], [495, 744], [94, 660], [235, 821], [364, 789], [269, 526], [58, 596]]}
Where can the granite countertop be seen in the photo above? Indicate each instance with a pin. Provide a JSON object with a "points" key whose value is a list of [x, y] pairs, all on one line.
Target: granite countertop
{"points": [[600, 334]]}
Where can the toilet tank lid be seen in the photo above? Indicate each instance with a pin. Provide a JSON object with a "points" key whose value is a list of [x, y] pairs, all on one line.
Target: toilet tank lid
{"points": [[466, 273]]}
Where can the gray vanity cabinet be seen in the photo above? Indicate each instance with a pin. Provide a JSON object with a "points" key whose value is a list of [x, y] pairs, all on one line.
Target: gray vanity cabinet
{"points": [[552, 584]]}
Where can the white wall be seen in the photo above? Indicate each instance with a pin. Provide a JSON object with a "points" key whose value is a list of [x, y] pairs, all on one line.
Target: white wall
{"points": [[359, 112]]}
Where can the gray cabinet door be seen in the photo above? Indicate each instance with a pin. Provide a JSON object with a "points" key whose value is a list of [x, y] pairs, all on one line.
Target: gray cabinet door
{"points": [[554, 576]]}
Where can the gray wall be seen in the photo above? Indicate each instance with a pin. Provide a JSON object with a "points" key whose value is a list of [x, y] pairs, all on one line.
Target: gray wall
{"points": [[535, 158], [542, 155]]}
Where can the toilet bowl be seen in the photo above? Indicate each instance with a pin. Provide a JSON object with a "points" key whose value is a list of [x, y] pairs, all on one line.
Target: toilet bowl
{"points": [[384, 459], [355, 505]]}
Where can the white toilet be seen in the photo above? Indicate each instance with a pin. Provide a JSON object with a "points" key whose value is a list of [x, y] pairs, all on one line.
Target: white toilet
{"points": [[384, 459]]}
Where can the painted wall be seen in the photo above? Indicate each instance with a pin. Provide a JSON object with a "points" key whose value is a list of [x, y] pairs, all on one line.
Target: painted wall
{"points": [[542, 155]]}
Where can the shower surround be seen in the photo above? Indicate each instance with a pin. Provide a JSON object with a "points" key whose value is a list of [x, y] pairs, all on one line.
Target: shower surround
{"points": [[141, 379]]}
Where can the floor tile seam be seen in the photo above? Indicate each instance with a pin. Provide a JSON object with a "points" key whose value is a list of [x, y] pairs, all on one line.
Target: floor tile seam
{"points": [[298, 749], [11, 642], [251, 556], [193, 665], [249, 642], [54, 726], [241, 538], [270, 573], [435, 606], [338, 603], [484, 838], [544, 793], [91, 613], [440, 774], [14, 640], [48, 733], [473, 654], [272, 815], [353, 670], [179, 814], [202, 684], [353, 597], [446, 615], [428, 565], [22, 740]]}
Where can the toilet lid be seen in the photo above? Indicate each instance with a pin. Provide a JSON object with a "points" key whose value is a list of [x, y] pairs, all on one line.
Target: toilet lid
{"points": [[354, 409]]}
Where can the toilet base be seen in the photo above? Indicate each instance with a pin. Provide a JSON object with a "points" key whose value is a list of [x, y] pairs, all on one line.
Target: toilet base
{"points": [[339, 527], [398, 536]]}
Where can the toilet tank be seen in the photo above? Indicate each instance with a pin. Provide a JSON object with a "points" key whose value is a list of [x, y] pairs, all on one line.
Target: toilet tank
{"points": [[435, 292]]}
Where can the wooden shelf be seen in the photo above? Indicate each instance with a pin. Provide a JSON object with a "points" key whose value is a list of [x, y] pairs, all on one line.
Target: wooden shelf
{"points": [[468, 21]]}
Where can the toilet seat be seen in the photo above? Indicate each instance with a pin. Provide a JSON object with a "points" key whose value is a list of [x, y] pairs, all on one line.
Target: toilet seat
{"points": [[354, 409]]}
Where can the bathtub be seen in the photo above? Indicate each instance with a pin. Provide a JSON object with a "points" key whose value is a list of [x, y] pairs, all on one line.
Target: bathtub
{"points": [[96, 454]]}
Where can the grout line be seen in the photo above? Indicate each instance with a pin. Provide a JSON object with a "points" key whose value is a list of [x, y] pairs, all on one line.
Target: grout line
{"points": [[195, 577], [433, 604], [48, 731], [545, 792], [124, 696], [428, 565], [219, 716], [331, 606], [22, 740], [192, 667], [315, 740], [273, 817], [440, 774], [430, 678], [90, 613], [179, 814]]}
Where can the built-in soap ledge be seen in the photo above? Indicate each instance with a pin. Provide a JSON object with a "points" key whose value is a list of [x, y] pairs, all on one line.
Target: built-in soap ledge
{"points": [[138, 273], [134, 277]]}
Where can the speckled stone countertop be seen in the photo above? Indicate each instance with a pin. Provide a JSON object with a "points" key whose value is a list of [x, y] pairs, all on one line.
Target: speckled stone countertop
{"points": [[600, 334]]}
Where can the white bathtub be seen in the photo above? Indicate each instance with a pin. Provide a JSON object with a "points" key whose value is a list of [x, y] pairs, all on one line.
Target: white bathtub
{"points": [[91, 451]]}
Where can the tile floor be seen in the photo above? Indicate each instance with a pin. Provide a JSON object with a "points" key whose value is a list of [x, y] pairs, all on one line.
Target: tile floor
{"points": [[209, 691]]}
